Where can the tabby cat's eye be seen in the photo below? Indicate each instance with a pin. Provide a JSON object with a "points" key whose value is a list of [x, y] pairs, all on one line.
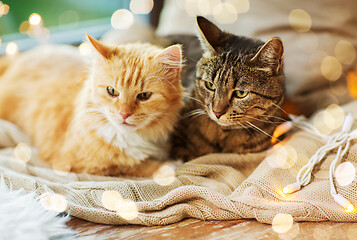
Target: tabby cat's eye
{"points": [[112, 92], [240, 94], [210, 86], [144, 96]]}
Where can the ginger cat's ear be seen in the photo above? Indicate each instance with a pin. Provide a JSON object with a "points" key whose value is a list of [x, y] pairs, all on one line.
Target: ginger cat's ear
{"points": [[104, 50], [209, 35], [171, 56], [270, 56]]}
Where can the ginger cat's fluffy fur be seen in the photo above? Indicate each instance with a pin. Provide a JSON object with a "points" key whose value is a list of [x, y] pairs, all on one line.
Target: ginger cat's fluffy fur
{"points": [[112, 117]]}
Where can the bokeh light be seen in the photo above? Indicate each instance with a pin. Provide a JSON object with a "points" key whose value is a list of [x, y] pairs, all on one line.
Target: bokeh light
{"points": [[225, 13], [345, 52], [191, 7], [282, 222], [11, 48], [345, 173], [110, 199], [35, 19], [165, 175], [242, 6], [24, 27], [4, 9], [331, 68], [53, 202], [23, 152], [281, 156], [291, 234], [127, 209], [141, 6], [122, 19], [334, 116], [300, 20], [85, 48]]}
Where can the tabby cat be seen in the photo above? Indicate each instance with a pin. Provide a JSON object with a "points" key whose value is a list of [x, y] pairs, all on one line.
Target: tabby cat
{"points": [[113, 119], [236, 100]]}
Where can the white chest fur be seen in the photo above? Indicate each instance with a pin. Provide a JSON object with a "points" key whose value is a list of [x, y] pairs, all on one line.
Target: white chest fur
{"points": [[131, 143]]}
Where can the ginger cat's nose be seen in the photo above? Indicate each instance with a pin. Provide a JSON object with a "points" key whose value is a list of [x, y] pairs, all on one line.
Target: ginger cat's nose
{"points": [[125, 115]]}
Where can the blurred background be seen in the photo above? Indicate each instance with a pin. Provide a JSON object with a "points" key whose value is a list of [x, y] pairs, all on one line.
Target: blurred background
{"points": [[320, 37]]}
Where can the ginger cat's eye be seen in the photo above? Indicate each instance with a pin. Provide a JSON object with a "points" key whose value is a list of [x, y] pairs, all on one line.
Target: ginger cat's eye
{"points": [[210, 86], [112, 92], [240, 94], [144, 96]]}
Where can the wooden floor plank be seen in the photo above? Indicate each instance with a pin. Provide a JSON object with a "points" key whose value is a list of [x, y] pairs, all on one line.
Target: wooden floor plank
{"points": [[214, 230]]}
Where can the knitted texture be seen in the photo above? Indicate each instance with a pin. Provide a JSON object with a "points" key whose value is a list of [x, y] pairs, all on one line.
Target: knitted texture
{"points": [[212, 187]]}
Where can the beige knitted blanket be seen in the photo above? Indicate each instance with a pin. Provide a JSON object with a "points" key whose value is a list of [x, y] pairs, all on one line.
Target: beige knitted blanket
{"points": [[213, 187]]}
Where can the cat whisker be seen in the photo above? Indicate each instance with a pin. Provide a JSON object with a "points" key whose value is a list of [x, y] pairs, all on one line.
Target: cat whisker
{"points": [[195, 113], [262, 131], [261, 120]]}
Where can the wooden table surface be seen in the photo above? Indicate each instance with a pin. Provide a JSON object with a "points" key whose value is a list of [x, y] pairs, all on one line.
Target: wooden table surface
{"points": [[196, 229]]}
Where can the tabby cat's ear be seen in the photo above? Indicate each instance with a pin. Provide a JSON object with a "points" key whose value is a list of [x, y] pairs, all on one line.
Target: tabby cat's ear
{"points": [[270, 56], [210, 35], [104, 50]]}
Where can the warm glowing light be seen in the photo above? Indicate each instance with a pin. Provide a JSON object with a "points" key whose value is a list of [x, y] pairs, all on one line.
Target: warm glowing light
{"points": [[343, 202], [0, 41], [225, 13], [282, 222], [334, 116], [300, 20], [345, 52], [122, 19], [85, 48], [11, 48], [291, 188], [280, 130], [242, 6], [23, 152], [141, 6], [127, 209], [4, 9], [165, 175], [350, 208], [191, 7], [110, 200], [352, 83], [345, 173], [35, 19], [53, 202], [331, 68]]}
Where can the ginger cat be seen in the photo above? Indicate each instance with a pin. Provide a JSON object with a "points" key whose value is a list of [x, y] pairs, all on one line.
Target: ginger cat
{"points": [[111, 117]]}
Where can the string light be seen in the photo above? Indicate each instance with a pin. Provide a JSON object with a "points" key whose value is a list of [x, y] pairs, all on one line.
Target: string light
{"points": [[340, 140]]}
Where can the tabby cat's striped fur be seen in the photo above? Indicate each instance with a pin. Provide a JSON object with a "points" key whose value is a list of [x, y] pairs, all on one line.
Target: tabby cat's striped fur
{"points": [[236, 100]]}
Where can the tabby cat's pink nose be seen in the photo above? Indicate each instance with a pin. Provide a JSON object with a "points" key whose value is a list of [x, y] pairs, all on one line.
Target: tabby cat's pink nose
{"points": [[125, 115]]}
